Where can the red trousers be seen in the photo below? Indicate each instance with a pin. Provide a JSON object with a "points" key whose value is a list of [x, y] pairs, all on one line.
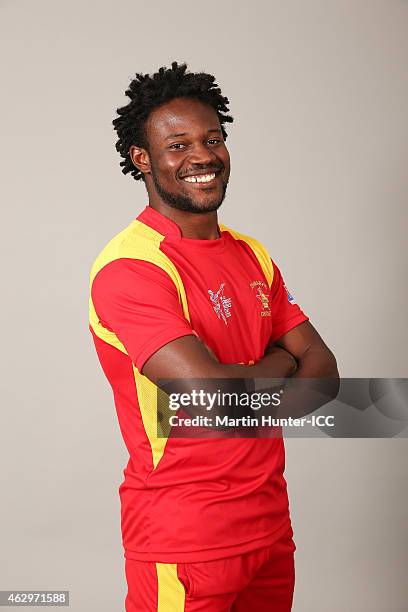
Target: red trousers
{"points": [[260, 581]]}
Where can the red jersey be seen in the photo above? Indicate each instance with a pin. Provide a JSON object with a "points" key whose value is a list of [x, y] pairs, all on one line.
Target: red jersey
{"points": [[186, 500]]}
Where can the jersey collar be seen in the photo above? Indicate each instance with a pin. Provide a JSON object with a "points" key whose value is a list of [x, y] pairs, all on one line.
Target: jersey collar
{"points": [[168, 228]]}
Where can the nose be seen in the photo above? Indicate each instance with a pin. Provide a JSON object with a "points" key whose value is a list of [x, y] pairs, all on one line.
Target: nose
{"points": [[201, 155]]}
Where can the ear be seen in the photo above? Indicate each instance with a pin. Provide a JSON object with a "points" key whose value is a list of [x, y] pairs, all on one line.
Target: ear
{"points": [[140, 159]]}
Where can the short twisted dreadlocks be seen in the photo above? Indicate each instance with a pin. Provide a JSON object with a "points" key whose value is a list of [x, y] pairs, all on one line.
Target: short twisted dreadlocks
{"points": [[148, 92]]}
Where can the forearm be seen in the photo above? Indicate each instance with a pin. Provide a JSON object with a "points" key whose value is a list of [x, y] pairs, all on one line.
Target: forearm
{"points": [[197, 368], [277, 363]]}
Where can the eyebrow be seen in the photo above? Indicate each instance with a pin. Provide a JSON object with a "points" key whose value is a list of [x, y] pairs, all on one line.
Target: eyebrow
{"points": [[185, 133]]}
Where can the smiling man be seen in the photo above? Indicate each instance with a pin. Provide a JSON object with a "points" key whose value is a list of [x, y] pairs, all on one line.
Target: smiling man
{"points": [[205, 521]]}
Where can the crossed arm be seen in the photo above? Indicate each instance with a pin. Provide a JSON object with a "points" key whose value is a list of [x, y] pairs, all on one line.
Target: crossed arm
{"points": [[300, 353]]}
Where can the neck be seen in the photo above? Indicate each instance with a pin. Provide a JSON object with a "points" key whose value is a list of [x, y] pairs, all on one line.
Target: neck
{"points": [[200, 226]]}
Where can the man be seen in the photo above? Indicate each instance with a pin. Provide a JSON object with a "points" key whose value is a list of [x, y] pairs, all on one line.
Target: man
{"points": [[205, 522]]}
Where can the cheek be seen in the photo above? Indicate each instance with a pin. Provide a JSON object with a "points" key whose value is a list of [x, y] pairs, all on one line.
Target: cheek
{"points": [[164, 166], [227, 159], [169, 164]]}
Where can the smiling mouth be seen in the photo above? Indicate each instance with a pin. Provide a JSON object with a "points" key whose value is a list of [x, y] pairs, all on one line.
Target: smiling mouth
{"points": [[201, 178]]}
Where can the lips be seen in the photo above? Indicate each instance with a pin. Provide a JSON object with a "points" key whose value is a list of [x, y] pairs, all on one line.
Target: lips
{"points": [[201, 178]]}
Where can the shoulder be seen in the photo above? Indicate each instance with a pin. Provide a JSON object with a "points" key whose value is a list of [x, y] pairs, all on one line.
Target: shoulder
{"points": [[240, 236], [136, 241], [258, 249]]}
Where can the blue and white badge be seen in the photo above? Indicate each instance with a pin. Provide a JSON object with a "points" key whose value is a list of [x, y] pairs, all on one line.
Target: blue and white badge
{"points": [[291, 299]]}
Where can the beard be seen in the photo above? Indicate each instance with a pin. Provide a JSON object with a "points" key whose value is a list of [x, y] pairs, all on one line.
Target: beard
{"points": [[185, 202]]}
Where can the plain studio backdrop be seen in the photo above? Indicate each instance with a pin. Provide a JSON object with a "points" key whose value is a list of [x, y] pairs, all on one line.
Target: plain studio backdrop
{"points": [[319, 149]]}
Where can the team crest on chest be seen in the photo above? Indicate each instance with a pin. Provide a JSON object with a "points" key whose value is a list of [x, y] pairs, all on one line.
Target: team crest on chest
{"points": [[261, 292], [220, 303]]}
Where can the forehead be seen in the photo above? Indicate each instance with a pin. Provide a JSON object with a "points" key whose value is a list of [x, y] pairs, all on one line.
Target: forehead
{"points": [[181, 116]]}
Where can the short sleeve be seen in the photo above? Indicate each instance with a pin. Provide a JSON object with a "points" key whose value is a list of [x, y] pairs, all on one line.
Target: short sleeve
{"points": [[286, 313], [138, 302]]}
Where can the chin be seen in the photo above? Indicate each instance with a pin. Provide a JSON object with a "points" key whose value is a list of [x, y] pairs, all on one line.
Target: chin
{"points": [[189, 202], [201, 210], [192, 205], [206, 205]]}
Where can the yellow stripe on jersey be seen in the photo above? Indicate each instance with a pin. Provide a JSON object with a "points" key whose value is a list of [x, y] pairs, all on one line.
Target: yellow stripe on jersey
{"points": [[152, 402], [259, 250], [171, 594], [136, 241], [139, 241]]}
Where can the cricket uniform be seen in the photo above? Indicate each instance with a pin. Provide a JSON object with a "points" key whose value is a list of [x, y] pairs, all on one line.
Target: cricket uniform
{"points": [[187, 502]]}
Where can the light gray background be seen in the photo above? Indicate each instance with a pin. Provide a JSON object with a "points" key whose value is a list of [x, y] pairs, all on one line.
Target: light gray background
{"points": [[319, 92]]}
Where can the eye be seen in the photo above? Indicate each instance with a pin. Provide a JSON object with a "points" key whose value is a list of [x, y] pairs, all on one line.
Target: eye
{"points": [[177, 146], [215, 140]]}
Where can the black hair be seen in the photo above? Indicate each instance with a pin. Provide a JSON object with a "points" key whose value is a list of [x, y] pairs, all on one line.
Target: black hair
{"points": [[147, 92]]}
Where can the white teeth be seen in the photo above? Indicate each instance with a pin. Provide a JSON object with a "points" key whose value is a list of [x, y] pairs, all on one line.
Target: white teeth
{"points": [[205, 178]]}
